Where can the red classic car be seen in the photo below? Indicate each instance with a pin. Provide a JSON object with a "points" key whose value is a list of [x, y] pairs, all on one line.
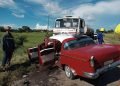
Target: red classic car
{"points": [[77, 55]]}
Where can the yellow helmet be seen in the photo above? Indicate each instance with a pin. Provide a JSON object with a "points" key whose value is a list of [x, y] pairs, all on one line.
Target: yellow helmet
{"points": [[102, 29]]}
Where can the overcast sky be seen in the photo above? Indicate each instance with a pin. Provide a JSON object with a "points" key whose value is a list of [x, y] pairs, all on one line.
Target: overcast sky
{"points": [[97, 13]]}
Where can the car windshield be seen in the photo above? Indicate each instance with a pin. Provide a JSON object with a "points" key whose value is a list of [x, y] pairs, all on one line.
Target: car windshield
{"points": [[78, 43]]}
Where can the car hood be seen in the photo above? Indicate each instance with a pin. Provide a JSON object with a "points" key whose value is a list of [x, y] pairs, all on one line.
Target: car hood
{"points": [[101, 53]]}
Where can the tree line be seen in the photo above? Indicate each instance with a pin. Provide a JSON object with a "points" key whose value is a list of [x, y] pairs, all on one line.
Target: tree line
{"points": [[28, 29], [22, 29]]}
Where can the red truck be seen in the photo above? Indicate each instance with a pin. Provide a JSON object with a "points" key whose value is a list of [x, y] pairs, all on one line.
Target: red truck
{"points": [[77, 55]]}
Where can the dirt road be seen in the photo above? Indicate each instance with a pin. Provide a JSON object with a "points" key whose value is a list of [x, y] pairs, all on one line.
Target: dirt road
{"points": [[47, 76]]}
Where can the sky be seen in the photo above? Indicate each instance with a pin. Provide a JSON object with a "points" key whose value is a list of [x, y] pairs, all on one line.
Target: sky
{"points": [[96, 13]]}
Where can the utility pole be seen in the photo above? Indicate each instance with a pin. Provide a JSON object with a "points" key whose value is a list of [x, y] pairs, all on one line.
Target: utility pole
{"points": [[48, 21]]}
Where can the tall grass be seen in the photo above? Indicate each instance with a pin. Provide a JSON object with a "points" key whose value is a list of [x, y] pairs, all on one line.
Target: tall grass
{"points": [[32, 39], [112, 38]]}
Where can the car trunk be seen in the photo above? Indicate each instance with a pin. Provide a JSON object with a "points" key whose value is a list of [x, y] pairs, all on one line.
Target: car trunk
{"points": [[103, 54]]}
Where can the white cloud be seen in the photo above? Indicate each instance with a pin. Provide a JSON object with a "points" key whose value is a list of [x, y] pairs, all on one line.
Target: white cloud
{"points": [[8, 24], [52, 7], [18, 15], [13, 7], [90, 11], [87, 11], [42, 27], [7, 3]]}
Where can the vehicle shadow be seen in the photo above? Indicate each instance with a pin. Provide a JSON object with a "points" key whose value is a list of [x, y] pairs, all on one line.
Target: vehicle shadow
{"points": [[105, 79]]}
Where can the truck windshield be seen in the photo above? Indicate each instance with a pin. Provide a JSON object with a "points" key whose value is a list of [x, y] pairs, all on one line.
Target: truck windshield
{"points": [[67, 23], [78, 43]]}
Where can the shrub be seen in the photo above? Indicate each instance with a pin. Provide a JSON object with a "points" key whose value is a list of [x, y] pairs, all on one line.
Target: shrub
{"points": [[19, 41]]}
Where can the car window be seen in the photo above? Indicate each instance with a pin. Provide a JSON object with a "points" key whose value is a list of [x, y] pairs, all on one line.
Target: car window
{"points": [[78, 43]]}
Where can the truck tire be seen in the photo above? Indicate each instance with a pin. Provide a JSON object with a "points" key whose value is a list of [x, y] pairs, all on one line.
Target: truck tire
{"points": [[69, 73]]}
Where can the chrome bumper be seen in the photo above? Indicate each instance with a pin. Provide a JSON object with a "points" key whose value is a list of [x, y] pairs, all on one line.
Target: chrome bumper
{"points": [[101, 70]]}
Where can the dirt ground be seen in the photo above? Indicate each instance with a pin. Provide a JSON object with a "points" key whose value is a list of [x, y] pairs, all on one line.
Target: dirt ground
{"points": [[54, 76]]}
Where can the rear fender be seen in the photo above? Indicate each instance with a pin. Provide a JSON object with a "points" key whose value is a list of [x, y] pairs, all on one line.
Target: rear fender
{"points": [[118, 47]]}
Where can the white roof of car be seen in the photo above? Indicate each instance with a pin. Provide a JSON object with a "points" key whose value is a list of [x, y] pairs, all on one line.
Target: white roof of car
{"points": [[61, 37]]}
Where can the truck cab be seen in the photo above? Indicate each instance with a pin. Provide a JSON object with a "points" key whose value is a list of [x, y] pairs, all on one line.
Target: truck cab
{"points": [[70, 25]]}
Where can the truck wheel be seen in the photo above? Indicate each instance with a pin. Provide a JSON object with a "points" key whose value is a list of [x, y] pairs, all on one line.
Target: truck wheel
{"points": [[69, 73]]}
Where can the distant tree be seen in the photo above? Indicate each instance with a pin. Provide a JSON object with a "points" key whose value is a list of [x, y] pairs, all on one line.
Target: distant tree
{"points": [[20, 30], [2, 29], [14, 30], [26, 29], [110, 31]]}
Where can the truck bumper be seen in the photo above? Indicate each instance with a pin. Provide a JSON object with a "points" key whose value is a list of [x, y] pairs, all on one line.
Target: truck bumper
{"points": [[101, 70]]}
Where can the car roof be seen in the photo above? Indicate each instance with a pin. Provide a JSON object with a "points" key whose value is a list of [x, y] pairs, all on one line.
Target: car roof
{"points": [[61, 37]]}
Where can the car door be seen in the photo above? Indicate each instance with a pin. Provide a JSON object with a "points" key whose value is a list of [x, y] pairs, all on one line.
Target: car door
{"points": [[33, 53], [46, 54]]}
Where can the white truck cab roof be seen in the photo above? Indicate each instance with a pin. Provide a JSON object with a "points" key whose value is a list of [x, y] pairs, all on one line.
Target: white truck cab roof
{"points": [[70, 17]]}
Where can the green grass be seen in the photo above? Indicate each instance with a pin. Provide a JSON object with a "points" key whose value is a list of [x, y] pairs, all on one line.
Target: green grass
{"points": [[112, 38], [20, 61], [32, 40]]}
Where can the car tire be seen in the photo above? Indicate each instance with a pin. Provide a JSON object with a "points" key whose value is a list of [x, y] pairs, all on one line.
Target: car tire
{"points": [[69, 73]]}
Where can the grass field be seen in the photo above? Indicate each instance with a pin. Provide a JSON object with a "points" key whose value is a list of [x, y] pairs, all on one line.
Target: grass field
{"points": [[112, 38], [20, 59], [32, 39]]}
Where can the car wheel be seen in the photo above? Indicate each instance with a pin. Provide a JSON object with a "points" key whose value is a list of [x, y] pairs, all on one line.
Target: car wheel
{"points": [[69, 73]]}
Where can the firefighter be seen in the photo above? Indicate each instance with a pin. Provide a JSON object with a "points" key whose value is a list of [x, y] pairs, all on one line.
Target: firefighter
{"points": [[8, 46], [100, 36]]}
